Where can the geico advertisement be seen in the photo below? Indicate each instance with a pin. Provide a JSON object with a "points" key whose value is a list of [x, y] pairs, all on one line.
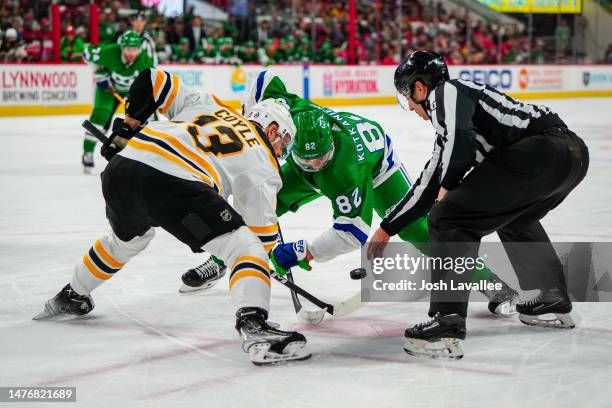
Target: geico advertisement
{"points": [[516, 78]]}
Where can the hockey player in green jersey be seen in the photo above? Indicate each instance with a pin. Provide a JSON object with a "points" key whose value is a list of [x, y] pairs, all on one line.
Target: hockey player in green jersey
{"points": [[116, 66], [350, 160]]}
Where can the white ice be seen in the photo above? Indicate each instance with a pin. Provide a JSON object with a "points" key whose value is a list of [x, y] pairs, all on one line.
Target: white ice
{"points": [[146, 345]]}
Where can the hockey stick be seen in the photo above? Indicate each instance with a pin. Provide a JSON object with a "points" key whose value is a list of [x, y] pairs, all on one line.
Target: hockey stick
{"points": [[296, 290], [343, 308], [98, 134], [316, 316], [117, 96], [296, 301]]}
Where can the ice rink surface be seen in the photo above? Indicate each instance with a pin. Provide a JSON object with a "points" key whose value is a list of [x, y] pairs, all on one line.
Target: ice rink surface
{"points": [[146, 345]]}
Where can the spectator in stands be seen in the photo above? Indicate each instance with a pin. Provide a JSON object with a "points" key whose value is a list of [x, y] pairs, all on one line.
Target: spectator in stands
{"points": [[31, 31], [304, 53], [248, 53], [195, 33], [608, 54], [163, 50], [82, 32], [425, 25], [262, 34], [230, 28], [175, 30], [325, 54], [106, 28], [563, 34], [12, 50], [46, 38], [72, 46], [266, 53], [537, 51], [181, 51]]}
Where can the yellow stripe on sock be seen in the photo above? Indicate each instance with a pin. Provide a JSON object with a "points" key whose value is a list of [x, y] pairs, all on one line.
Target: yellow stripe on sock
{"points": [[249, 273], [110, 261], [94, 270], [258, 261]]}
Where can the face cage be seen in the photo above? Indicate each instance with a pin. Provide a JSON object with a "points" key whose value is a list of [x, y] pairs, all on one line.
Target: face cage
{"points": [[287, 149], [308, 164], [402, 100]]}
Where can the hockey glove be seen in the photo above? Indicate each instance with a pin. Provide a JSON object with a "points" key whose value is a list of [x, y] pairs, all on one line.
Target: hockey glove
{"points": [[288, 255], [103, 82], [123, 130], [111, 147]]}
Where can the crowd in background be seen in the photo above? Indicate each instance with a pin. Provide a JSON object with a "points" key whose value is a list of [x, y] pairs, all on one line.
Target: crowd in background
{"points": [[283, 31]]}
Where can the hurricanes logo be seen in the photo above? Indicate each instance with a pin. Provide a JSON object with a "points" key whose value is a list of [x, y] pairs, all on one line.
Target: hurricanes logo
{"points": [[586, 78], [226, 215]]}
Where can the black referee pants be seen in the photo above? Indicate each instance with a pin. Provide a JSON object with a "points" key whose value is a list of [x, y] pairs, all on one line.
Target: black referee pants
{"points": [[508, 193]]}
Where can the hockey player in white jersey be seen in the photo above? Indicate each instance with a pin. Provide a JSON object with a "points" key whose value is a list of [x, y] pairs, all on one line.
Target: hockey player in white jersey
{"points": [[156, 90], [178, 175]]}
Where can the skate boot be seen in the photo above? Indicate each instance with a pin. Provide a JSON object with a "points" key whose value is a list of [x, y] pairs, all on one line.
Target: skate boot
{"points": [[266, 344], [88, 162], [204, 276], [501, 302], [552, 302], [66, 302], [441, 337]]}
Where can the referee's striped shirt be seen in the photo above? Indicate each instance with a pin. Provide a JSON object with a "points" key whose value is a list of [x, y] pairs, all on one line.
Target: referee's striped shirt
{"points": [[470, 120]]}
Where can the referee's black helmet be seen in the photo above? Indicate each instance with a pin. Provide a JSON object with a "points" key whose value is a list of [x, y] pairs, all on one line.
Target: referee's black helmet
{"points": [[425, 66]]}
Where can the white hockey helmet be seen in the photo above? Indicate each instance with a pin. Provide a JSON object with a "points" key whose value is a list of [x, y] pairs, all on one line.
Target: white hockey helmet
{"points": [[275, 111]]}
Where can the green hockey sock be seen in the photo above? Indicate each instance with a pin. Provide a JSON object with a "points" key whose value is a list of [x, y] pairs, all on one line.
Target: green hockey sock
{"points": [[89, 146]]}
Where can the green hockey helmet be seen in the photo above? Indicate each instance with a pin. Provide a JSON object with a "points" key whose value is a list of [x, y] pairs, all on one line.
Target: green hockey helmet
{"points": [[313, 149], [131, 39]]}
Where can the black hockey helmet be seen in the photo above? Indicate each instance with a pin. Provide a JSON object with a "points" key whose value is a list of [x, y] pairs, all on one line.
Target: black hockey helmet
{"points": [[425, 66]]}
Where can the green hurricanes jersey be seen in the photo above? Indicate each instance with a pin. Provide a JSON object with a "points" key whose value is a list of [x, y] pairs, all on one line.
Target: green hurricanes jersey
{"points": [[363, 159], [108, 61]]}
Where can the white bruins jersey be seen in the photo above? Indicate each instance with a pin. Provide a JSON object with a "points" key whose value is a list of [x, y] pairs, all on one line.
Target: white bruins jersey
{"points": [[209, 142]]}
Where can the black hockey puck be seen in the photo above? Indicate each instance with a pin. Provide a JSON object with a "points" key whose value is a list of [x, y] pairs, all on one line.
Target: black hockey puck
{"points": [[358, 273]]}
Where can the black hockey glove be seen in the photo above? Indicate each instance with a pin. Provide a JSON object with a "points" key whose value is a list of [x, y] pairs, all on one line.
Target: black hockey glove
{"points": [[110, 148]]}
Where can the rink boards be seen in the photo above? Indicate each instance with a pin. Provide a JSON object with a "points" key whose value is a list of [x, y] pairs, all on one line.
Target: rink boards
{"points": [[48, 89]]}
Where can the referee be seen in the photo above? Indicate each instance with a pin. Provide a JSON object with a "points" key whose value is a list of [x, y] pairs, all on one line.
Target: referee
{"points": [[498, 165], [139, 21]]}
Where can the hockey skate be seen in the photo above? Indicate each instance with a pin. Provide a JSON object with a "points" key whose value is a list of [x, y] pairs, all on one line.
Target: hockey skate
{"points": [[551, 308], [441, 337], [266, 344], [501, 302], [88, 162], [201, 277], [66, 302]]}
